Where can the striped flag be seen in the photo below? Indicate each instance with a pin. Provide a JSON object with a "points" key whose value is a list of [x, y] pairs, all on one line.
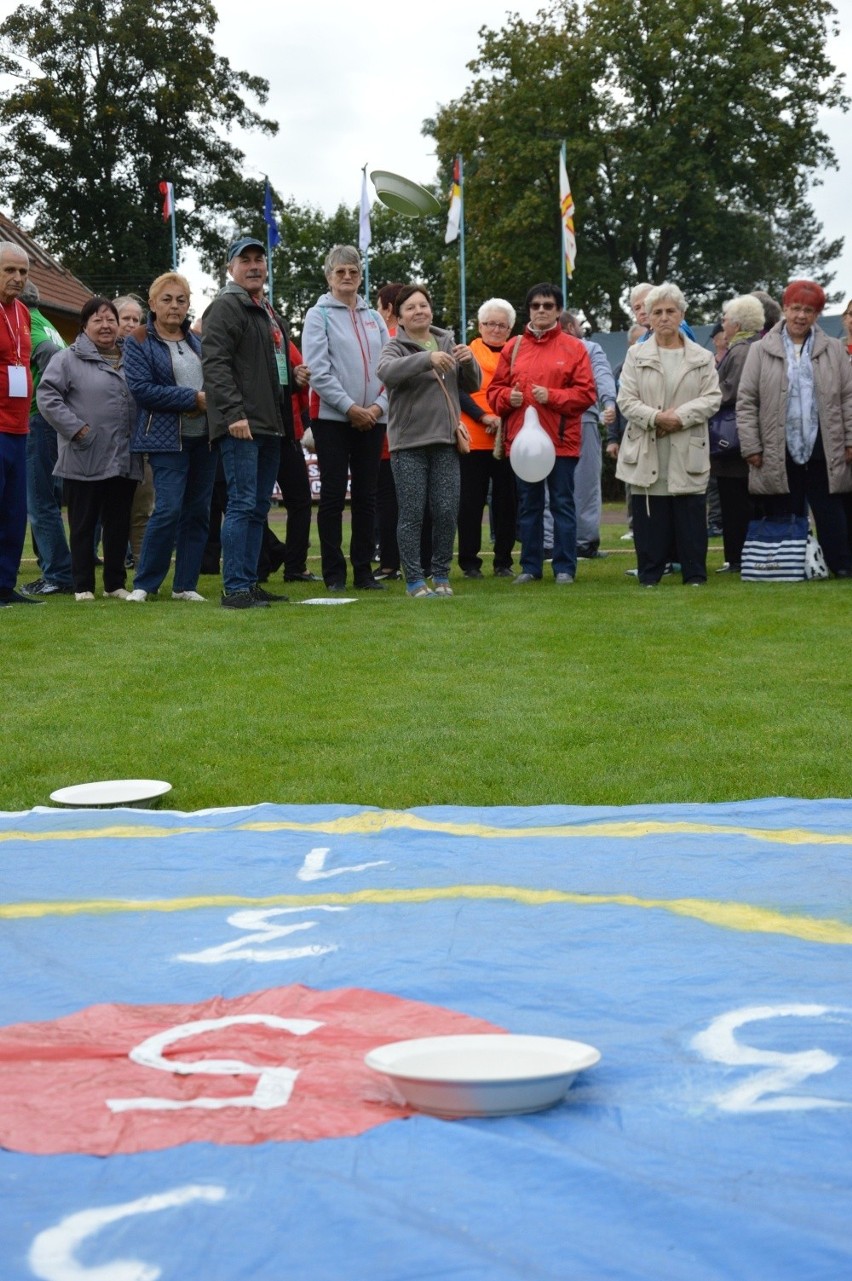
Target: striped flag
{"points": [[455, 216], [167, 191], [365, 231], [566, 210]]}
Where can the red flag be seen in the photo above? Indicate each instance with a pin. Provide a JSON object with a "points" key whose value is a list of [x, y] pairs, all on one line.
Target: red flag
{"points": [[167, 191]]}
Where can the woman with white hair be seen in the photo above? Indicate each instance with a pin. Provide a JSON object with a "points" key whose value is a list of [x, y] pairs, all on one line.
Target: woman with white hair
{"points": [[480, 468], [742, 323], [669, 389]]}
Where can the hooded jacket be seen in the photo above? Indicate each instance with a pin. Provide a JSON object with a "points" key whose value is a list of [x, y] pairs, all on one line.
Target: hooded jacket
{"points": [[341, 346], [424, 404], [553, 360], [240, 372], [762, 410], [79, 389], [151, 379]]}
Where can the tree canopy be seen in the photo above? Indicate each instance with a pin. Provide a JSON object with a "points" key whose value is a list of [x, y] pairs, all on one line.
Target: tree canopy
{"points": [[108, 99], [692, 141]]}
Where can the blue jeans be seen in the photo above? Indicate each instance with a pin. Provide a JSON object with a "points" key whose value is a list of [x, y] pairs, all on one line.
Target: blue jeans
{"points": [[560, 488], [13, 506], [44, 503], [183, 485], [251, 469]]}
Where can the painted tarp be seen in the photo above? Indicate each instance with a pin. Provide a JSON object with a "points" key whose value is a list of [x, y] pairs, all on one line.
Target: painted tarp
{"points": [[187, 1000]]}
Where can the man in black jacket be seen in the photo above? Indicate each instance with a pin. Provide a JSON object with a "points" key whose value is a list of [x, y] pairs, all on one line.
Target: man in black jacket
{"points": [[247, 379]]}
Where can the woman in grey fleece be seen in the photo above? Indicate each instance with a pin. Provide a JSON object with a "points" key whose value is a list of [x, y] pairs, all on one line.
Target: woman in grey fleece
{"points": [[423, 368]]}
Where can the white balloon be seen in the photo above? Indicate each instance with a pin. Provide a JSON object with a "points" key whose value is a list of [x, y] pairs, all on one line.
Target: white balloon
{"points": [[533, 453]]}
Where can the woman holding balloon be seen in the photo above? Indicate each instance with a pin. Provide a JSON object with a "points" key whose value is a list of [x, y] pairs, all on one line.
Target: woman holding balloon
{"points": [[547, 372]]}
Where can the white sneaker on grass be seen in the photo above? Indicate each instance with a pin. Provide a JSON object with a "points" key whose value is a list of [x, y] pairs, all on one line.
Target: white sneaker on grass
{"points": [[120, 593], [137, 594], [187, 596], [84, 595]]}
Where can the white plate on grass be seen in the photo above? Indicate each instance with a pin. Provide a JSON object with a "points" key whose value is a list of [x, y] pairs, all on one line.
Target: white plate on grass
{"points": [[330, 600], [137, 792], [488, 1075]]}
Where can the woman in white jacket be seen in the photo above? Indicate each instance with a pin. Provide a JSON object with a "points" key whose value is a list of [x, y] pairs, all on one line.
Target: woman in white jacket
{"points": [[669, 389]]}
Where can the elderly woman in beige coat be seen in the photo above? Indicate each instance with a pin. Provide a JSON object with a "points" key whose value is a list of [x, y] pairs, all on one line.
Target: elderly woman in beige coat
{"points": [[794, 419], [668, 390]]}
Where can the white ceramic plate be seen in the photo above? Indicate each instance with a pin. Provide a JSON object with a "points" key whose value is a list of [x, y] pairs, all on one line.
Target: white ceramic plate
{"points": [[330, 600], [402, 195], [488, 1075], [138, 792]]}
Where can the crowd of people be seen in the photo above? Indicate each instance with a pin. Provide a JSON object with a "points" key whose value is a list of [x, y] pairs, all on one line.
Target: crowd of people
{"points": [[130, 425]]}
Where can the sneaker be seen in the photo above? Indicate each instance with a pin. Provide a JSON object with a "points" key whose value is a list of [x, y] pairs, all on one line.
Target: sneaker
{"points": [[526, 578], [137, 594], [627, 538], [15, 598], [370, 585], [306, 577], [387, 575], [503, 573], [120, 593], [84, 595], [183, 596], [473, 573], [41, 587], [442, 587], [265, 597], [564, 580], [243, 600]]}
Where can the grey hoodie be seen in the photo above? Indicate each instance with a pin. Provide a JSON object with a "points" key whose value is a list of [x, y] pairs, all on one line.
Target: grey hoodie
{"points": [[341, 346]]}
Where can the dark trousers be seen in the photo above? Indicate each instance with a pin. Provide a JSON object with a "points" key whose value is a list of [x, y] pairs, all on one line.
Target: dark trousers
{"points": [[478, 469], [809, 488], [737, 510], [13, 506], [345, 453], [108, 501], [660, 522], [387, 513], [296, 495]]}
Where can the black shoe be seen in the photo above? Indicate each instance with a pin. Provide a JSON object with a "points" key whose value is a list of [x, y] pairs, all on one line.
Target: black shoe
{"points": [[335, 587], [548, 553], [473, 573], [306, 577], [41, 587], [387, 575], [714, 531], [591, 554], [242, 600], [370, 585], [12, 597], [265, 597], [504, 573], [843, 573]]}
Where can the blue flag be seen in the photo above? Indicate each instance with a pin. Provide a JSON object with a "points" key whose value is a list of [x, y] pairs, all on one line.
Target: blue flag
{"points": [[269, 218]]}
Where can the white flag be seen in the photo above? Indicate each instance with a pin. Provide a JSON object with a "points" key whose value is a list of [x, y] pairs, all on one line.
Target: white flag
{"points": [[455, 216], [566, 210], [365, 235]]}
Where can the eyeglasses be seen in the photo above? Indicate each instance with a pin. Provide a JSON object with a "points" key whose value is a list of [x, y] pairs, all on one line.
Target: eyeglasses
{"points": [[542, 306], [493, 324], [346, 271]]}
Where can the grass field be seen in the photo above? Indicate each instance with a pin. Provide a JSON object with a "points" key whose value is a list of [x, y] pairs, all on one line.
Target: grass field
{"points": [[600, 693]]}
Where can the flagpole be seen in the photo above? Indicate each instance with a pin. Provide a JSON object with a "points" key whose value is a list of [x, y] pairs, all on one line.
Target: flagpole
{"points": [[462, 279], [174, 237], [364, 230], [564, 156]]}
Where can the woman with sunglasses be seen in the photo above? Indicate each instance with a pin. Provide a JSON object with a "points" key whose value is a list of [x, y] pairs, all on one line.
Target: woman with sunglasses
{"points": [[549, 370]]}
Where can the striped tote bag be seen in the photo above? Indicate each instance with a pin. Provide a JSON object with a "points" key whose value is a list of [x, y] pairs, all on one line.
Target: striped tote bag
{"points": [[774, 551]]}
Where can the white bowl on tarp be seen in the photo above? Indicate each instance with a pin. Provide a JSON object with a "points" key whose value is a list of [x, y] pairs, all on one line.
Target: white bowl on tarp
{"points": [[138, 793], [404, 196], [482, 1075]]}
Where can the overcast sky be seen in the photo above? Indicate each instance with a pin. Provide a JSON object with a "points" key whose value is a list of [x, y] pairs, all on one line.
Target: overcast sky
{"points": [[351, 84]]}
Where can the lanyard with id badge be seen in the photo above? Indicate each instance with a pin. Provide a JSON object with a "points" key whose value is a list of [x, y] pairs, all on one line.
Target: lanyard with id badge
{"points": [[17, 373], [278, 343]]}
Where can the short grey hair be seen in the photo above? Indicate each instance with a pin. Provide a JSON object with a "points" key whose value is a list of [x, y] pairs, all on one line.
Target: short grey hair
{"points": [[771, 308], [497, 304], [341, 256], [9, 247], [639, 291], [745, 311], [124, 299], [30, 294], [666, 292]]}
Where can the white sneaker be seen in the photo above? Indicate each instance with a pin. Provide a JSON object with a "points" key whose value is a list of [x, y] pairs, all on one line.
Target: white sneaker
{"points": [[187, 596], [84, 595], [136, 594], [627, 538], [120, 593]]}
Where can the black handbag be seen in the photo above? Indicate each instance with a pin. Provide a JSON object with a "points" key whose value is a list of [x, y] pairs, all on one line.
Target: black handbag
{"points": [[724, 438]]}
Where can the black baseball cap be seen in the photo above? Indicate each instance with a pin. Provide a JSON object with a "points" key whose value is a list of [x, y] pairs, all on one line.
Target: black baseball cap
{"points": [[245, 242]]}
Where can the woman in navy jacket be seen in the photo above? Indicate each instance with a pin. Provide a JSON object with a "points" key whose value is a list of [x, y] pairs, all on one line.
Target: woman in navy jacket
{"points": [[163, 363]]}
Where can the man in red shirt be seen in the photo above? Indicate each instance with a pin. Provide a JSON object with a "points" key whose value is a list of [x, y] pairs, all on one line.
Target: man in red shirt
{"points": [[16, 389]]}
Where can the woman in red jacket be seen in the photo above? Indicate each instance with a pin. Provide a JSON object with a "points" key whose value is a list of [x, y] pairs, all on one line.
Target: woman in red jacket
{"points": [[550, 370]]}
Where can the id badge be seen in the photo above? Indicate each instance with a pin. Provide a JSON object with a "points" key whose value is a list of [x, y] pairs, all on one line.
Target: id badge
{"points": [[18, 381], [281, 362]]}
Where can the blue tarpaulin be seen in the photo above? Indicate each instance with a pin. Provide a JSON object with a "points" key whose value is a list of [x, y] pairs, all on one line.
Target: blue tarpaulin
{"points": [[705, 950]]}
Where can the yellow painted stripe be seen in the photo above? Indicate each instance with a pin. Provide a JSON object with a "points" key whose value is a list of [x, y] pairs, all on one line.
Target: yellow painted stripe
{"points": [[742, 917], [375, 822]]}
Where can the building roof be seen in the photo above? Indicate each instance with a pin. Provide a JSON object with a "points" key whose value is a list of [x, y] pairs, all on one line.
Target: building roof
{"points": [[57, 288]]}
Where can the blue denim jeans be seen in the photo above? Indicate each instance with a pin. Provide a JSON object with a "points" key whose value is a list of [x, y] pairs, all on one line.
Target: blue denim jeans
{"points": [[44, 503], [183, 485], [560, 489], [251, 468]]}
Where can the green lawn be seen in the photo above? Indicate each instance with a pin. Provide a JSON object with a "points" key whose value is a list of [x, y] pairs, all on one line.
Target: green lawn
{"points": [[601, 693]]}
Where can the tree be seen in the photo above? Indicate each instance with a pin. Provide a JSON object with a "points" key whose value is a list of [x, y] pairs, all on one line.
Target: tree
{"points": [[111, 97], [692, 137]]}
